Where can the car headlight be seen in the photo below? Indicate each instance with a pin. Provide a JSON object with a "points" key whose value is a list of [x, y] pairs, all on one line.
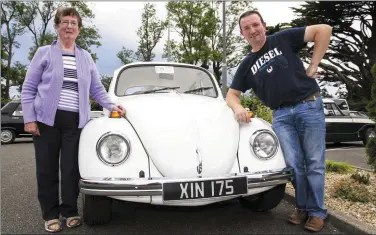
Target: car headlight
{"points": [[113, 148], [264, 144]]}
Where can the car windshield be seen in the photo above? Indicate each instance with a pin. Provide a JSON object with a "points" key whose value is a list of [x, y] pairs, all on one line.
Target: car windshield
{"points": [[148, 79]]}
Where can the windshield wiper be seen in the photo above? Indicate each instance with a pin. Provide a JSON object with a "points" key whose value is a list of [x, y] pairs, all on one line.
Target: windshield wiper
{"points": [[199, 89], [160, 89]]}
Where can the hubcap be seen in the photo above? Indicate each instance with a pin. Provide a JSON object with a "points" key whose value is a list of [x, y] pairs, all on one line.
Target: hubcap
{"points": [[6, 136], [371, 134]]}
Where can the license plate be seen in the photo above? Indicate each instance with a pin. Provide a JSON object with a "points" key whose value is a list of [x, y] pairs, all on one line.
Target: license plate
{"points": [[204, 188]]}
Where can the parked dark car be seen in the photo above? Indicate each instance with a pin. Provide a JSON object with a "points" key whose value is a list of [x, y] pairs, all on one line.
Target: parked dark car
{"points": [[96, 114], [341, 127], [12, 123]]}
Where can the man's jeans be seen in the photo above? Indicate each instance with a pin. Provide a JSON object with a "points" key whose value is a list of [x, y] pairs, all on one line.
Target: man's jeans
{"points": [[301, 132]]}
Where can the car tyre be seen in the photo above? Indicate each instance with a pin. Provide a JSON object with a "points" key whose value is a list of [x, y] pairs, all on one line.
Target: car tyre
{"points": [[97, 210], [7, 136], [368, 134], [264, 201]]}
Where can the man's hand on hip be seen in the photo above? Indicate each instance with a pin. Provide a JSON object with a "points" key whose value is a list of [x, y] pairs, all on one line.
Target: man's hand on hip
{"points": [[312, 71]]}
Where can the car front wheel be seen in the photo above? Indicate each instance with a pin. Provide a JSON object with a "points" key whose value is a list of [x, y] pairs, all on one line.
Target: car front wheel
{"points": [[368, 134], [7, 136], [264, 201], [97, 210]]}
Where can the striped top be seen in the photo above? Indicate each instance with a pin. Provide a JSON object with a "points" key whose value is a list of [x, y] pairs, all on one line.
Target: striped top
{"points": [[69, 93]]}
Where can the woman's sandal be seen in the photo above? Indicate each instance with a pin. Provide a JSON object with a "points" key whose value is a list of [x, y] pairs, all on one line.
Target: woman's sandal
{"points": [[48, 224], [73, 222]]}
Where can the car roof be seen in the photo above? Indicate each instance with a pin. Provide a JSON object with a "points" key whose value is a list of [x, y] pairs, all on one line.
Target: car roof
{"points": [[166, 63]]}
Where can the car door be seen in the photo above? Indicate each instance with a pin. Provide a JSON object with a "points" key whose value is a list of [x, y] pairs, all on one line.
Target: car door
{"points": [[12, 117], [17, 119], [339, 127]]}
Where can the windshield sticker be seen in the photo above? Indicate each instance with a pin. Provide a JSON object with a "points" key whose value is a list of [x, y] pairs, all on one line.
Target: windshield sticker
{"points": [[168, 76], [164, 69]]}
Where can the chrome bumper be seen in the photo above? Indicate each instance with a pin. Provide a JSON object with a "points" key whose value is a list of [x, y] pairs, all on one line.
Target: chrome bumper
{"points": [[154, 186]]}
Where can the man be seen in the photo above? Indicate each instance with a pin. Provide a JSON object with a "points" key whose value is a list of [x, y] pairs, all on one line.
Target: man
{"points": [[276, 74]]}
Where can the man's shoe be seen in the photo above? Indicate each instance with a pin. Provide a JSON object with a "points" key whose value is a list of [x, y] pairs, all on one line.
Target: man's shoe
{"points": [[298, 216], [314, 224]]}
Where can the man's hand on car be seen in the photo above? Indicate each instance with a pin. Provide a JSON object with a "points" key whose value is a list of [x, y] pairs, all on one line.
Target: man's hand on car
{"points": [[241, 115]]}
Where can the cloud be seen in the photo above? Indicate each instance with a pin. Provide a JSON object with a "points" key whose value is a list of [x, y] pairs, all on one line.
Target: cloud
{"points": [[277, 11], [117, 23]]}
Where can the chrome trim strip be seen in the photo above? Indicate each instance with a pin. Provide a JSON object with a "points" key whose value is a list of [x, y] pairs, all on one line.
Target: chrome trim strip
{"points": [[154, 187], [121, 192]]}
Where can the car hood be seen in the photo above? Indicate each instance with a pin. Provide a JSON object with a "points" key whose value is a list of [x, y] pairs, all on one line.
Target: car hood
{"points": [[185, 135]]}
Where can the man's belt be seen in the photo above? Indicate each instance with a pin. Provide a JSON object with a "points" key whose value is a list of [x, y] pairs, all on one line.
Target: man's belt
{"points": [[312, 97]]}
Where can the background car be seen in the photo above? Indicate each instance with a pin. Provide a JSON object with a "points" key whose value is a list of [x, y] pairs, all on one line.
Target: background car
{"points": [[358, 114], [12, 122], [179, 144], [346, 128], [96, 114], [342, 105]]}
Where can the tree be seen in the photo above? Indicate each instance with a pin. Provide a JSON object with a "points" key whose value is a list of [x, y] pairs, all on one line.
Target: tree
{"points": [[126, 56], [371, 107], [194, 22], [41, 14], [150, 32], [200, 27], [106, 81], [352, 50], [10, 17], [235, 44]]}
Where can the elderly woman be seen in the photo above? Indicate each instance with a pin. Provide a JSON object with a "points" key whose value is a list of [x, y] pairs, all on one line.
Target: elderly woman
{"points": [[55, 101]]}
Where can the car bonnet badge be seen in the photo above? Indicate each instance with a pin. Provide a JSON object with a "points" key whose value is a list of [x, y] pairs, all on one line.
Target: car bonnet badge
{"points": [[199, 167]]}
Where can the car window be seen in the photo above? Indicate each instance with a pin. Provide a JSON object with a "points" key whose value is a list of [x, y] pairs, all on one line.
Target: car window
{"points": [[145, 78], [336, 110], [18, 111], [5, 106], [330, 109], [343, 105]]}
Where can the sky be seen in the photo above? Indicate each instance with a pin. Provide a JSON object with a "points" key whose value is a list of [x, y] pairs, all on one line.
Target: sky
{"points": [[117, 23]]}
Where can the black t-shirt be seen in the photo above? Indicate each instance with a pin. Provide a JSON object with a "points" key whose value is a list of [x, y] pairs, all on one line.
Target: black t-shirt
{"points": [[275, 73]]}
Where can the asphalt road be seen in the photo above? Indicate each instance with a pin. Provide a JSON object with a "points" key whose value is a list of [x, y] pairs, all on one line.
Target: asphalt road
{"points": [[20, 211], [354, 153]]}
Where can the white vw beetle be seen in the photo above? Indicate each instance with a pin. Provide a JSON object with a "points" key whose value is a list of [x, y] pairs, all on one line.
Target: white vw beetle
{"points": [[178, 145]]}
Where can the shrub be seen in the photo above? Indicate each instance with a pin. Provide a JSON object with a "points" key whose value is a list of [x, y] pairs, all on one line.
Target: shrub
{"points": [[371, 107], [264, 113], [363, 179], [339, 167], [255, 105], [371, 153], [352, 191], [4, 101]]}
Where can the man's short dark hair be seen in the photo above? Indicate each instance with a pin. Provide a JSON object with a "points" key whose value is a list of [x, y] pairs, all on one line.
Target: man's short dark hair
{"points": [[248, 13]]}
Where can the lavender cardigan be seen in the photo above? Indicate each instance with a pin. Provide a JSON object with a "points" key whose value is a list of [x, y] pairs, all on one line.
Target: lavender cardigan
{"points": [[44, 79]]}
